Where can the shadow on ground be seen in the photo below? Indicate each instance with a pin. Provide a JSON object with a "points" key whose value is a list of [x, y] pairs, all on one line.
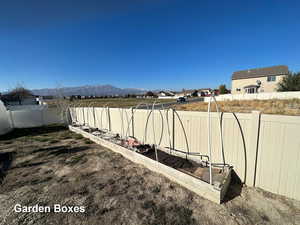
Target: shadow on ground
{"points": [[16, 133], [6, 159], [234, 189], [59, 150]]}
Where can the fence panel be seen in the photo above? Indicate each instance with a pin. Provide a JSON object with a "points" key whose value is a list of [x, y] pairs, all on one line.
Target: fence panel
{"points": [[278, 164]]}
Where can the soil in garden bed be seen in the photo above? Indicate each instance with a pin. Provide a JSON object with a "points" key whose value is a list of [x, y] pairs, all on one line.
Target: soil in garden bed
{"points": [[187, 166]]}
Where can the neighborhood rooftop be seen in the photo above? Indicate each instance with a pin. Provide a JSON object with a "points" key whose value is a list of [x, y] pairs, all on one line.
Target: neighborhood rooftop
{"points": [[260, 72]]}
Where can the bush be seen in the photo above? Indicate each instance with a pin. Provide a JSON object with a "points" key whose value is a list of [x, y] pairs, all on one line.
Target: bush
{"points": [[291, 82], [223, 89]]}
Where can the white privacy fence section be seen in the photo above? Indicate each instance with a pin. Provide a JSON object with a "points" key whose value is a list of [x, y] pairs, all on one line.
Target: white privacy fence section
{"points": [[263, 149], [258, 96], [278, 165], [5, 123], [25, 118], [28, 116]]}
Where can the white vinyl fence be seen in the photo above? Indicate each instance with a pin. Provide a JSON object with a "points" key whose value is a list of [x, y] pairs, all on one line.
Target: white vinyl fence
{"points": [[27, 116], [5, 123], [263, 149]]}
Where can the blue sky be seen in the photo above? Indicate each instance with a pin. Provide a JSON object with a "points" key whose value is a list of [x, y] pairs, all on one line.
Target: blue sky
{"points": [[149, 44]]}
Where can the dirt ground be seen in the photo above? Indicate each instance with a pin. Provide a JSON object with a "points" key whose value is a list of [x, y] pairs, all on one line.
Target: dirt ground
{"points": [[51, 165]]}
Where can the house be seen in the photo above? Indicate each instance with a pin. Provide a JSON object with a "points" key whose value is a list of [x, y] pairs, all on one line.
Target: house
{"points": [[185, 93], [26, 100], [204, 92], [258, 80], [166, 94]]}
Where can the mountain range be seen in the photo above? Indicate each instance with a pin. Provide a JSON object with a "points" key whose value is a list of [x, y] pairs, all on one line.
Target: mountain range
{"points": [[87, 90]]}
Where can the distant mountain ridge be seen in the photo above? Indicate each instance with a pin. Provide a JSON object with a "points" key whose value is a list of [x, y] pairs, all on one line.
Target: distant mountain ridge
{"points": [[87, 90]]}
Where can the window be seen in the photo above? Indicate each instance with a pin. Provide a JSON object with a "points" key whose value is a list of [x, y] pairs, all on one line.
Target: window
{"points": [[251, 90], [271, 78], [238, 89]]}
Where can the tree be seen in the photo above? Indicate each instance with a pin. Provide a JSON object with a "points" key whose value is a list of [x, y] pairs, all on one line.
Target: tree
{"points": [[291, 82], [195, 93], [149, 93], [72, 98], [223, 89], [18, 94]]}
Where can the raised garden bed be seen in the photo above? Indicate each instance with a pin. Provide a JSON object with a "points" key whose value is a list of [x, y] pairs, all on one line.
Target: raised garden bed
{"points": [[188, 173]]}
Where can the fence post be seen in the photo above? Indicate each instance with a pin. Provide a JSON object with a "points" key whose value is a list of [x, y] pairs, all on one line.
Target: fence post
{"points": [[42, 117], [132, 122], [83, 115], [11, 119], [173, 129], [108, 117], [94, 117], [252, 154]]}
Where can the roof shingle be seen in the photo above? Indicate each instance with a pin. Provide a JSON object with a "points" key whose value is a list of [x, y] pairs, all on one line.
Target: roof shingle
{"points": [[260, 72]]}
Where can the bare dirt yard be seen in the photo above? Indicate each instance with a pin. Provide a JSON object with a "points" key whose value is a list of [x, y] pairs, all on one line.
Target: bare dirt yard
{"points": [[283, 107], [51, 165]]}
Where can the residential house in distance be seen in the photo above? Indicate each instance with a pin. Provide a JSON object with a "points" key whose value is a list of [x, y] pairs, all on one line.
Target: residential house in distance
{"points": [[184, 93], [28, 100], [258, 80], [204, 92], [166, 94]]}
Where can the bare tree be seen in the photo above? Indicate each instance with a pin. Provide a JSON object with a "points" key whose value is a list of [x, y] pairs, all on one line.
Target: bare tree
{"points": [[61, 103], [18, 94]]}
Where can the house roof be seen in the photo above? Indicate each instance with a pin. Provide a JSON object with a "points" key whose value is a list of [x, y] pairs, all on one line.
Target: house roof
{"points": [[260, 72], [204, 89], [167, 93]]}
